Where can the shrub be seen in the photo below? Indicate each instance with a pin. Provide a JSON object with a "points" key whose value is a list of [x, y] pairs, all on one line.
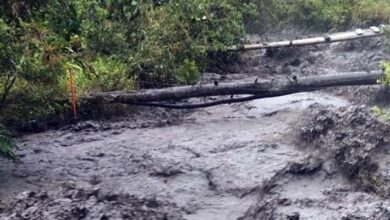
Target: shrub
{"points": [[6, 145], [371, 12], [110, 45], [386, 67], [336, 14]]}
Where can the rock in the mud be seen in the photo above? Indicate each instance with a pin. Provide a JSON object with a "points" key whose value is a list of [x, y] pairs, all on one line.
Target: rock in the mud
{"points": [[96, 154], [95, 180], [80, 213], [285, 202], [167, 170], [37, 150], [84, 193], [85, 125], [293, 216], [25, 195], [309, 166]]}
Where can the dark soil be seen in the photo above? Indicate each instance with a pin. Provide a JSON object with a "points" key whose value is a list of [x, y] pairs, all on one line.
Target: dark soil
{"points": [[342, 178]]}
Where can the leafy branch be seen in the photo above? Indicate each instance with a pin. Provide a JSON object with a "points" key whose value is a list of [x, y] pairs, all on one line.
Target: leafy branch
{"points": [[7, 145]]}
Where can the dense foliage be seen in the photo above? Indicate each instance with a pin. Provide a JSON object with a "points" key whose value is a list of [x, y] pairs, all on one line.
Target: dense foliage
{"points": [[110, 44], [128, 44], [6, 145], [336, 14]]}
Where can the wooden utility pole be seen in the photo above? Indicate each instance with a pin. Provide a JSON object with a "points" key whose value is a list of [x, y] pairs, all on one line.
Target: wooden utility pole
{"points": [[255, 90], [73, 97], [328, 38]]}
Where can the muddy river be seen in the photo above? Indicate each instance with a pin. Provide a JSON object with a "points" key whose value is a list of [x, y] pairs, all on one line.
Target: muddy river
{"points": [[317, 155]]}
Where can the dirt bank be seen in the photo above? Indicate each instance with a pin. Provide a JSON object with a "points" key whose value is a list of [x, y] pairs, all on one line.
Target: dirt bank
{"points": [[319, 155], [344, 175]]}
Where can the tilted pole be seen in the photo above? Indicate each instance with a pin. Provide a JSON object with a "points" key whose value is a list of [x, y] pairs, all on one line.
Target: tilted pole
{"points": [[329, 38]]}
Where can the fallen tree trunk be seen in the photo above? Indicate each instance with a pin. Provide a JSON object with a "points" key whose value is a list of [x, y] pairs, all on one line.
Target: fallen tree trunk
{"points": [[337, 37], [257, 90]]}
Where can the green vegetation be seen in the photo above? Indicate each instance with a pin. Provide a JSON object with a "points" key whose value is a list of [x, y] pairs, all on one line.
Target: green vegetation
{"points": [[130, 44], [386, 67], [320, 15], [6, 145], [380, 112], [109, 44], [336, 14]]}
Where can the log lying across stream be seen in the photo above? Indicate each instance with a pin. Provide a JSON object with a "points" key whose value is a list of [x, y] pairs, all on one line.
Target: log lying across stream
{"points": [[336, 37], [255, 90]]}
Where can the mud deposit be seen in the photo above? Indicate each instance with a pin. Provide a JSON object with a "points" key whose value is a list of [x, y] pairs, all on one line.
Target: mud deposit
{"points": [[318, 155]]}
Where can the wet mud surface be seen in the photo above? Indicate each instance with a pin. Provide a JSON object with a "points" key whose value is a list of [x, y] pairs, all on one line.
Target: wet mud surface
{"points": [[317, 155]]}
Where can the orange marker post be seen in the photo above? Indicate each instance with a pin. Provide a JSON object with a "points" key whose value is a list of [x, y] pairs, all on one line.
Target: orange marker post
{"points": [[73, 97]]}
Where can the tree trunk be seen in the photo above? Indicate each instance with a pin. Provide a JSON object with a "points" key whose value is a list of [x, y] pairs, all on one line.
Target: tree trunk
{"points": [[263, 89], [8, 85]]}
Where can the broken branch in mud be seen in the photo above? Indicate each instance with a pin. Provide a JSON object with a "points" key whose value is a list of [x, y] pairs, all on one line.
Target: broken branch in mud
{"points": [[256, 90], [337, 37], [199, 105]]}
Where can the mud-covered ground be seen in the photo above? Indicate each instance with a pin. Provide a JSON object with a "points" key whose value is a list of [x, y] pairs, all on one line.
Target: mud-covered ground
{"points": [[318, 155]]}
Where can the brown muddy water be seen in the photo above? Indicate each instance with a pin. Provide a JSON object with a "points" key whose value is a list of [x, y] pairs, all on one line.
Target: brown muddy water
{"points": [[317, 155]]}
